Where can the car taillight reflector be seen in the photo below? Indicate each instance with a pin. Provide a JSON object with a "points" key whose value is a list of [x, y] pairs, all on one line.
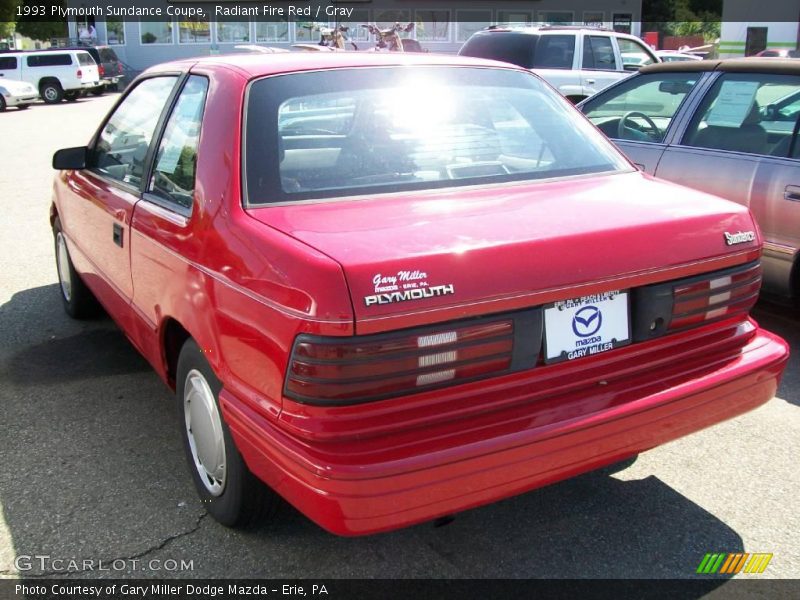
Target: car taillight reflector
{"points": [[79, 74], [370, 367], [101, 70], [719, 296]]}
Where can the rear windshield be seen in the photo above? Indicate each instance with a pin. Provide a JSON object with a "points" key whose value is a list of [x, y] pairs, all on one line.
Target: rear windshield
{"points": [[523, 49], [357, 131], [84, 58], [108, 55]]}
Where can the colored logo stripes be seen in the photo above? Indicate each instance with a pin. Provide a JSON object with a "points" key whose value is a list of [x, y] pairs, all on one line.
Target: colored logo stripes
{"points": [[732, 563]]}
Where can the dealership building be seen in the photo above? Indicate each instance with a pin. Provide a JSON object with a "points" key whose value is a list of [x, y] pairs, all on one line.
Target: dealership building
{"points": [[749, 27], [443, 27]]}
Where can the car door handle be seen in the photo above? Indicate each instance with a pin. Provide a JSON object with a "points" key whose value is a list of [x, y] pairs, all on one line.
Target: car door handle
{"points": [[792, 192], [590, 81], [118, 234]]}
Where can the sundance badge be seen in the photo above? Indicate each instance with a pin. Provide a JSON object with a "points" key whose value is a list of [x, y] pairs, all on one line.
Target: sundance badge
{"points": [[740, 237]]}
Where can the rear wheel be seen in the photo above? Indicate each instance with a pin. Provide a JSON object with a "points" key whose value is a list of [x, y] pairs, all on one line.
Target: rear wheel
{"points": [[2, 104], [78, 300], [71, 96], [229, 491], [98, 91], [22, 106], [51, 92]]}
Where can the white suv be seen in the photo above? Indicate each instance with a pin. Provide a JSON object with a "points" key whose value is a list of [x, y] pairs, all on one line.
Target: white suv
{"points": [[577, 61], [57, 75]]}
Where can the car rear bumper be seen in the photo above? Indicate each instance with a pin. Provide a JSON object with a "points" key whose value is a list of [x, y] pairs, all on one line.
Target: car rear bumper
{"points": [[337, 488]]}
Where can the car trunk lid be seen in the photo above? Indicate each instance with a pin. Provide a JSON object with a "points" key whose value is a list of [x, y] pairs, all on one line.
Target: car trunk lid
{"points": [[416, 258]]}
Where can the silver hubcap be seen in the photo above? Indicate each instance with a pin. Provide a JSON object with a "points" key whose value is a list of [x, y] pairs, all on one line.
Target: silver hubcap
{"points": [[50, 93], [62, 260], [204, 432]]}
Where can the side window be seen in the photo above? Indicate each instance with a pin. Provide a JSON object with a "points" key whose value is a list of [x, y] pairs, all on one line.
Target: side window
{"points": [[84, 58], [176, 161], [50, 60], [598, 53], [123, 143], [641, 108], [8, 62], [554, 52], [748, 112], [634, 55]]}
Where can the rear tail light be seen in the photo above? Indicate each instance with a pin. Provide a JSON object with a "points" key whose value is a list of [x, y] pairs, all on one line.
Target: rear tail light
{"points": [[346, 370], [677, 305], [79, 74], [101, 70], [119, 68], [719, 296]]}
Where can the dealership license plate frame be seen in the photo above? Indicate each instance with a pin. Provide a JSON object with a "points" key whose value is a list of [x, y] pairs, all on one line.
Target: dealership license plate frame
{"points": [[618, 301]]}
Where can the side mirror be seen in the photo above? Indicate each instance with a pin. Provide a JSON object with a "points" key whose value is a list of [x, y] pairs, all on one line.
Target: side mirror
{"points": [[72, 159]]}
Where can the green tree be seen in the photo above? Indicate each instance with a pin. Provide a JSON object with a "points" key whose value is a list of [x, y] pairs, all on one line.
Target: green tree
{"points": [[7, 10], [37, 29]]}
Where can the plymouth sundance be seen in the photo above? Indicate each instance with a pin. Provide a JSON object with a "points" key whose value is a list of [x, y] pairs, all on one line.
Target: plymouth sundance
{"points": [[389, 288]]}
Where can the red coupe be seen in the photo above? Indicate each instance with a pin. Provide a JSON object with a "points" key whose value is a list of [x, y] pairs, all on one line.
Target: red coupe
{"points": [[390, 287]]}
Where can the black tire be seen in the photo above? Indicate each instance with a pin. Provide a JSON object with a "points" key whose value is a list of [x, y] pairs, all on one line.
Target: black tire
{"points": [[51, 92], [71, 96], [99, 91], [2, 104], [23, 106], [78, 300], [240, 500]]}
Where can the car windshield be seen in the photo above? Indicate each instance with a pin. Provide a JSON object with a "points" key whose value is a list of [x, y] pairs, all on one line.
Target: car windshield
{"points": [[84, 58], [356, 131]]}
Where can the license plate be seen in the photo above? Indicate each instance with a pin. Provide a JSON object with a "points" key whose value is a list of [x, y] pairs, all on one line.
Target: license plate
{"points": [[586, 326]]}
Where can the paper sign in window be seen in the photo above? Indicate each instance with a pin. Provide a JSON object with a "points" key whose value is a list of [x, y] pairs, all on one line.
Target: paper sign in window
{"points": [[733, 103]]}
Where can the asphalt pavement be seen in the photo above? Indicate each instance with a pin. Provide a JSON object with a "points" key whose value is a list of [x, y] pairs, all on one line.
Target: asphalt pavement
{"points": [[92, 471]]}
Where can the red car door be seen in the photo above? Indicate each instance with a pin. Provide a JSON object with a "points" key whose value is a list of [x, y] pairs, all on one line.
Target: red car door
{"points": [[101, 199]]}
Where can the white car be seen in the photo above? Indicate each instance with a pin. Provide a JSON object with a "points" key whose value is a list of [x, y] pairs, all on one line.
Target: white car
{"points": [[16, 93], [676, 56], [57, 75], [577, 61]]}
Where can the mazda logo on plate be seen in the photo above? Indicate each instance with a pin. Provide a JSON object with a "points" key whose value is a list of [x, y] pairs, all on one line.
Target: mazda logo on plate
{"points": [[587, 321]]}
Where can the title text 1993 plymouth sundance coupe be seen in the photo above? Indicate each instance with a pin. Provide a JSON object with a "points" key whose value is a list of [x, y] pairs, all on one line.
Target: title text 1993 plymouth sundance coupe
{"points": [[390, 288]]}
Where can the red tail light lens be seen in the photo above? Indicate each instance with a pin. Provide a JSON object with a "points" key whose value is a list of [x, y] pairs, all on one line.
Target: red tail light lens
{"points": [[79, 74], [720, 295], [330, 370], [119, 68], [101, 70]]}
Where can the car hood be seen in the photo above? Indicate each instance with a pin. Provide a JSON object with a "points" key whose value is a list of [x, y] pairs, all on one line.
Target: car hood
{"points": [[17, 87], [469, 251]]}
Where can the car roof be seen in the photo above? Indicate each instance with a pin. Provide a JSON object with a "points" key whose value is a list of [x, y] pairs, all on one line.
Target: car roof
{"points": [[261, 64], [788, 66]]}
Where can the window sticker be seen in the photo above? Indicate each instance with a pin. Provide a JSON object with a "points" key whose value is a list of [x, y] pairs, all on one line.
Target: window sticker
{"points": [[733, 103]]}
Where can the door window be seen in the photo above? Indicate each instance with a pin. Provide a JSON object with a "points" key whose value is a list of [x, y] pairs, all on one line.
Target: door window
{"points": [[634, 55], [176, 161], [748, 112], [123, 143], [641, 108], [8, 62], [598, 53]]}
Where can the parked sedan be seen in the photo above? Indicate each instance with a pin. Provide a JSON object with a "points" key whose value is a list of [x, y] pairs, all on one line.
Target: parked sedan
{"points": [[391, 287], [16, 93], [725, 127]]}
